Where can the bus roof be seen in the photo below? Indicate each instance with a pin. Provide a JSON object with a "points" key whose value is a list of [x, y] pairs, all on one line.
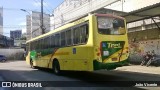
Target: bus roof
{"points": [[71, 24], [58, 29]]}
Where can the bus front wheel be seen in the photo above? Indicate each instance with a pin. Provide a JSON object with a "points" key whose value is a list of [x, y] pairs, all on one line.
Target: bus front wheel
{"points": [[56, 67], [31, 64]]}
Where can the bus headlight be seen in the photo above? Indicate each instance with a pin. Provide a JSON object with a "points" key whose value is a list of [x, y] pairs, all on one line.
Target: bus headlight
{"points": [[105, 53]]}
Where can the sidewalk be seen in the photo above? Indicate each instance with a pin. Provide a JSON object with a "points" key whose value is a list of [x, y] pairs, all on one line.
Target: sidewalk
{"points": [[141, 69]]}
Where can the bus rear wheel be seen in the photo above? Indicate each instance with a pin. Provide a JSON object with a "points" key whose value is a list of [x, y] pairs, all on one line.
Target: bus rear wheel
{"points": [[56, 67]]}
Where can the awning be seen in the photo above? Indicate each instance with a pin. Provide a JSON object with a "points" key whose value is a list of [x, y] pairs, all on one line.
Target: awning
{"points": [[143, 13]]}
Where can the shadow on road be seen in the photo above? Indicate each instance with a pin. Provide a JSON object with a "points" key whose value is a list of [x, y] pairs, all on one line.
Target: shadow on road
{"points": [[104, 75]]}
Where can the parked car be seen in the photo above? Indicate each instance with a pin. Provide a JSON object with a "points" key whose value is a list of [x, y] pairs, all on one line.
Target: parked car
{"points": [[3, 58]]}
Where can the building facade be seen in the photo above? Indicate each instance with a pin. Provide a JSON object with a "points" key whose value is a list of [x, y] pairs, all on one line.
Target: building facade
{"points": [[16, 34], [1, 20], [70, 10], [34, 22], [6, 41], [133, 5], [28, 27]]}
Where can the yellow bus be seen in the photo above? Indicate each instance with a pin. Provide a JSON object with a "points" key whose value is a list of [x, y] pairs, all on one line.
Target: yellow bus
{"points": [[94, 42]]}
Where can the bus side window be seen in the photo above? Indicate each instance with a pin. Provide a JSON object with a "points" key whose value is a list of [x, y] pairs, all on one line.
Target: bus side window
{"points": [[83, 34], [76, 35], [52, 41], [49, 42], [63, 43], [42, 43], [87, 33], [38, 46], [57, 40], [68, 37], [35, 45], [31, 45]]}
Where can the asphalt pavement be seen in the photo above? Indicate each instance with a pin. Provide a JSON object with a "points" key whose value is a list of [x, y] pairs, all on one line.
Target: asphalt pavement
{"points": [[20, 71]]}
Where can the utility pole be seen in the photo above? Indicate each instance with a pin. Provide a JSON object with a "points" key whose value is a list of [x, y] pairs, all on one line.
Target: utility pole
{"points": [[42, 25]]}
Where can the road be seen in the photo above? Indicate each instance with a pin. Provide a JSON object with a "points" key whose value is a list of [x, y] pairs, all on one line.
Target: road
{"points": [[20, 71]]}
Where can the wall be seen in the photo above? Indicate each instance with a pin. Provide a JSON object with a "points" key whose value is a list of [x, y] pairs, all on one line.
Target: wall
{"points": [[149, 34], [71, 10], [13, 54], [143, 41]]}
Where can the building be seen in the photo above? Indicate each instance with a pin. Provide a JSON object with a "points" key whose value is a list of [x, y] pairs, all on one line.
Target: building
{"points": [[1, 20], [34, 22], [28, 27], [6, 41], [70, 10], [16, 34]]}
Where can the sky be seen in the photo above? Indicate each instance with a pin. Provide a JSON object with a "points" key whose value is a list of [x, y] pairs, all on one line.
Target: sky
{"points": [[14, 18]]}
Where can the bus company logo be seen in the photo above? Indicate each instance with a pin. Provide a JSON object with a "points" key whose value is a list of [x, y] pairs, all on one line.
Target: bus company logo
{"points": [[6, 84], [113, 45]]}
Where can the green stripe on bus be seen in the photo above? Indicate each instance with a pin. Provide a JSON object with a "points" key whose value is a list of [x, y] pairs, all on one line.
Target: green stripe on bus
{"points": [[110, 47], [109, 66], [41, 52]]}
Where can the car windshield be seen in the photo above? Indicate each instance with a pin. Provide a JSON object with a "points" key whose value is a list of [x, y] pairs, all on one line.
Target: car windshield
{"points": [[111, 26]]}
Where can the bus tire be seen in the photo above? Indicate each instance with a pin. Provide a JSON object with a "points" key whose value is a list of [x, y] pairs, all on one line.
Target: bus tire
{"points": [[56, 67], [31, 64]]}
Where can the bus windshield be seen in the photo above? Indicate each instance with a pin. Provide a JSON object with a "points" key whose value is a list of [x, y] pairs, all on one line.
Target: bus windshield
{"points": [[111, 26]]}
